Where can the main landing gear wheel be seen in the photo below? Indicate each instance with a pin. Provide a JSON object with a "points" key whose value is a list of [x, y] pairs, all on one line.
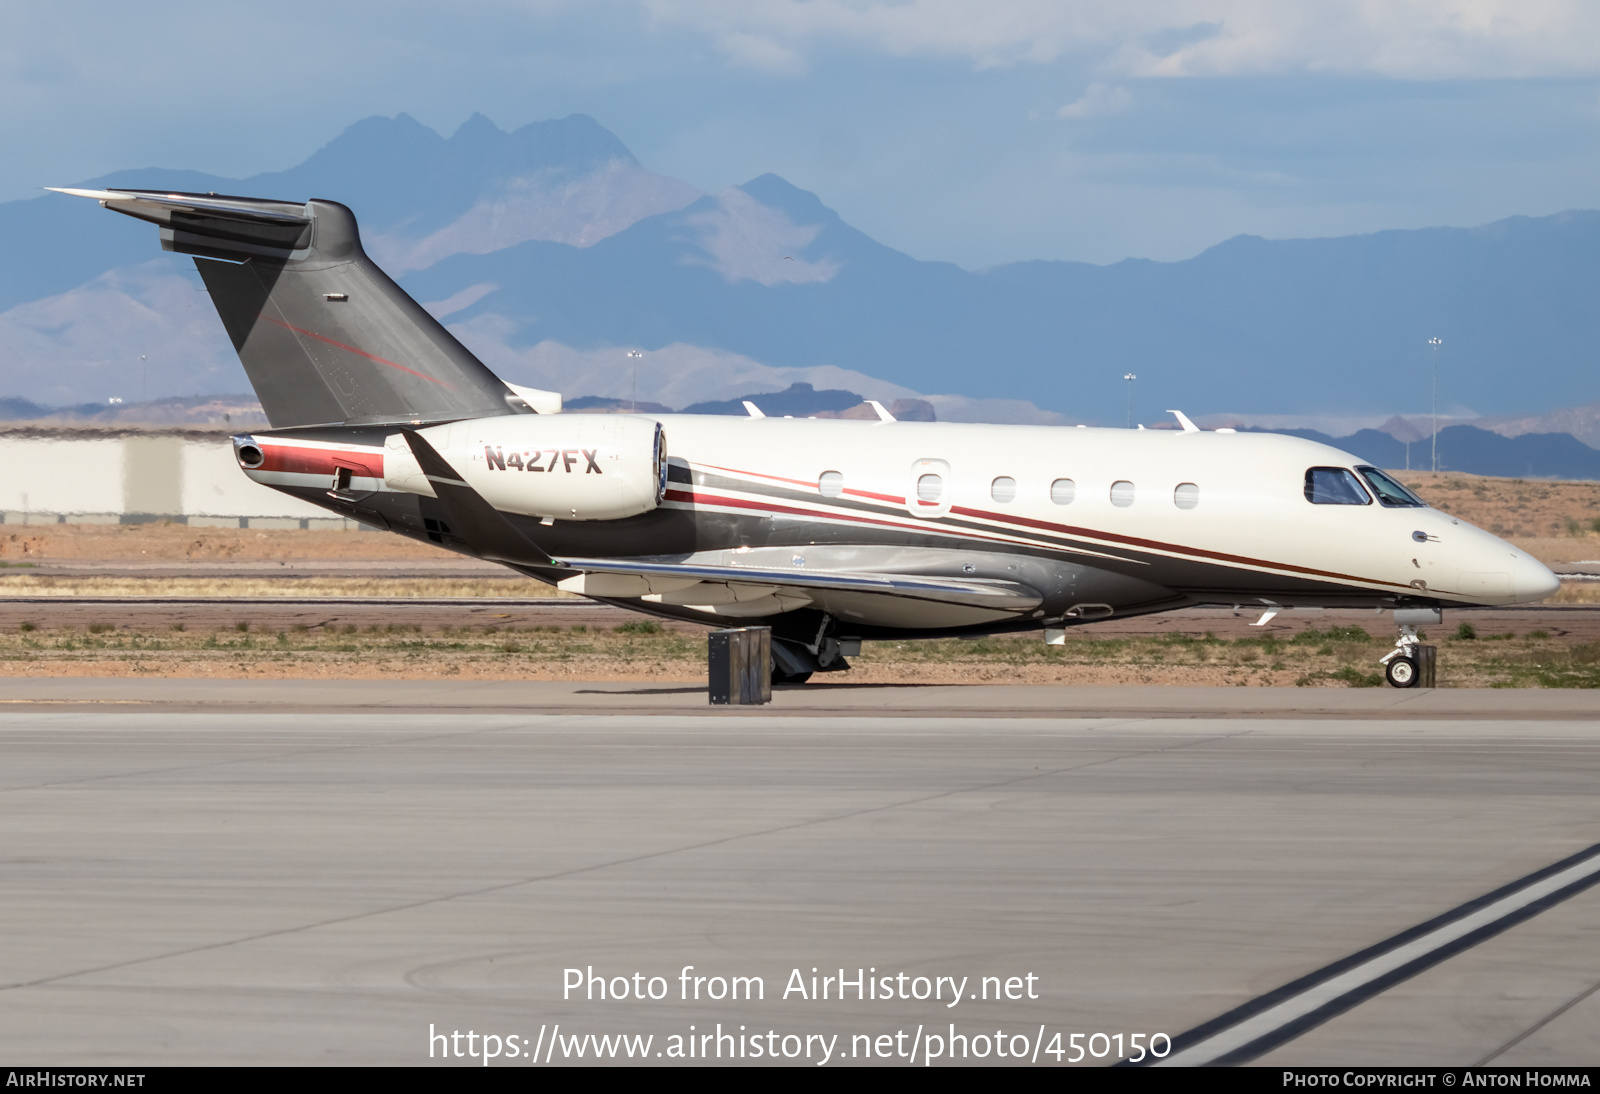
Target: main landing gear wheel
{"points": [[1401, 673], [780, 677]]}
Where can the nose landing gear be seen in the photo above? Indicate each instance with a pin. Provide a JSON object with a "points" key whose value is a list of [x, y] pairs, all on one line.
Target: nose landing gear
{"points": [[1411, 664]]}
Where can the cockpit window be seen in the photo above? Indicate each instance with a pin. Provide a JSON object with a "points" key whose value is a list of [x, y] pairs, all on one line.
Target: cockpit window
{"points": [[1389, 492], [1334, 486]]}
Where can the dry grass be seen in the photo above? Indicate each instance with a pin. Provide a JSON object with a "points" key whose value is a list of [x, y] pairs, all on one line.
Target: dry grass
{"points": [[15, 583], [1577, 592], [642, 650], [161, 541], [637, 650], [1344, 656]]}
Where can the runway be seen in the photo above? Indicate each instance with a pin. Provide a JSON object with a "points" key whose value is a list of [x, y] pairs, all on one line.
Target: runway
{"points": [[243, 873]]}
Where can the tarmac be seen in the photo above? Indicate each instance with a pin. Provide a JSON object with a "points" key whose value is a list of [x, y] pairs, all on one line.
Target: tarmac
{"points": [[351, 872]]}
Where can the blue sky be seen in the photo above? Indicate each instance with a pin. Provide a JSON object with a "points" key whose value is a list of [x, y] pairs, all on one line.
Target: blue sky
{"points": [[976, 133]]}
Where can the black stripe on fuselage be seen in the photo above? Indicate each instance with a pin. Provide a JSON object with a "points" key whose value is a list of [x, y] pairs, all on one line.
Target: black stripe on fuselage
{"points": [[1065, 542]]}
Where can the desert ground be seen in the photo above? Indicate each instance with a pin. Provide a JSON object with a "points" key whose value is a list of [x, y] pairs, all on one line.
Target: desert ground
{"points": [[252, 605]]}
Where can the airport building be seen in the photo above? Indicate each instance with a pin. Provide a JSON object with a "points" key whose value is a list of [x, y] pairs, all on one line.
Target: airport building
{"points": [[77, 475]]}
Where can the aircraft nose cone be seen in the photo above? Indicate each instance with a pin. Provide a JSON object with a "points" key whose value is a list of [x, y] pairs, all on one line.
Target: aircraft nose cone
{"points": [[1534, 581]]}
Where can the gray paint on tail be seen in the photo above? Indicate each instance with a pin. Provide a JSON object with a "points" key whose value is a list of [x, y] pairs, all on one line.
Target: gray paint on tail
{"points": [[325, 336], [329, 337]]}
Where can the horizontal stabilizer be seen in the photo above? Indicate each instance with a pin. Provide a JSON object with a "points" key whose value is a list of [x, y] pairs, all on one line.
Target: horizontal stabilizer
{"points": [[211, 224]]}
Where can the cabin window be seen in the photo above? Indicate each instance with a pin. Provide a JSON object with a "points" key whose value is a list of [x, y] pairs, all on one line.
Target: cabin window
{"points": [[1390, 493], [1186, 496], [930, 488], [1062, 491], [830, 484], [1003, 489], [1122, 494], [1334, 486]]}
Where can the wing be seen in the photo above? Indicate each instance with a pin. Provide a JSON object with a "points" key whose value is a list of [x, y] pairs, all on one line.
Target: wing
{"points": [[741, 591]]}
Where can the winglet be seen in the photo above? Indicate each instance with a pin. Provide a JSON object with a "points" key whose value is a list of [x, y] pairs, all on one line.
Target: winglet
{"points": [[753, 410], [1266, 617], [1183, 420], [881, 411]]}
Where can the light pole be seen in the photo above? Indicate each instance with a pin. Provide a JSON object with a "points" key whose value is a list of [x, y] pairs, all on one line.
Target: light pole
{"points": [[1130, 377], [1433, 348], [633, 394]]}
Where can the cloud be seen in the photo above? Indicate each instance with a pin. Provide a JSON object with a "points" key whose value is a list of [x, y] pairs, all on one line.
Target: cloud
{"points": [[1097, 99], [1403, 39]]}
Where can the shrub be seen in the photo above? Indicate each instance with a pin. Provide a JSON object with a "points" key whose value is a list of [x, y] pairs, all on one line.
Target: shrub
{"points": [[1358, 679]]}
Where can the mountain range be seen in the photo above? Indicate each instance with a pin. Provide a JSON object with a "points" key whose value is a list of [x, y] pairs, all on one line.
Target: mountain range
{"points": [[551, 251]]}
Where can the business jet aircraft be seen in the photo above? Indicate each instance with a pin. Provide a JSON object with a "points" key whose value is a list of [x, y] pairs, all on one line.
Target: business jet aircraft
{"points": [[829, 532]]}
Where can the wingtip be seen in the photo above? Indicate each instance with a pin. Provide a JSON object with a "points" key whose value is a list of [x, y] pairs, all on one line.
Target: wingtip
{"points": [[96, 195]]}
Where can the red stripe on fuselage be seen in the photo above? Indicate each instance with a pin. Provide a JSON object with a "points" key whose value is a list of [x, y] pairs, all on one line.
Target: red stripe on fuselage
{"points": [[809, 484], [1077, 533]]}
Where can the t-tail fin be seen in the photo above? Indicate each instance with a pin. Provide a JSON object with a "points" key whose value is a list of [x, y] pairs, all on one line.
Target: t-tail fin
{"points": [[324, 335]]}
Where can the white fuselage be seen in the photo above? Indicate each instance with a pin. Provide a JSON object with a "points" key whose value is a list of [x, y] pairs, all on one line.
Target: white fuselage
{"points": [[1249, 508], [1040, 523]]}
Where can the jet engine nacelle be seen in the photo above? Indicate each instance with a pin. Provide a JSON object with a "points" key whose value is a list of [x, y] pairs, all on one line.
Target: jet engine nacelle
{"points": [[566, 467]]}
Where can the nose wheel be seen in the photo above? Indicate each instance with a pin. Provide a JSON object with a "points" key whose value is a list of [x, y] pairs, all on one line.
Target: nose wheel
{"points": [[1401, 672], [1411, 664]]}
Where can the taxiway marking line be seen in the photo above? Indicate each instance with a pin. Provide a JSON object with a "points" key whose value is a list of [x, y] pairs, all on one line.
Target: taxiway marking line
{"points": [[1540, 1024], [1262, 1024]]}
